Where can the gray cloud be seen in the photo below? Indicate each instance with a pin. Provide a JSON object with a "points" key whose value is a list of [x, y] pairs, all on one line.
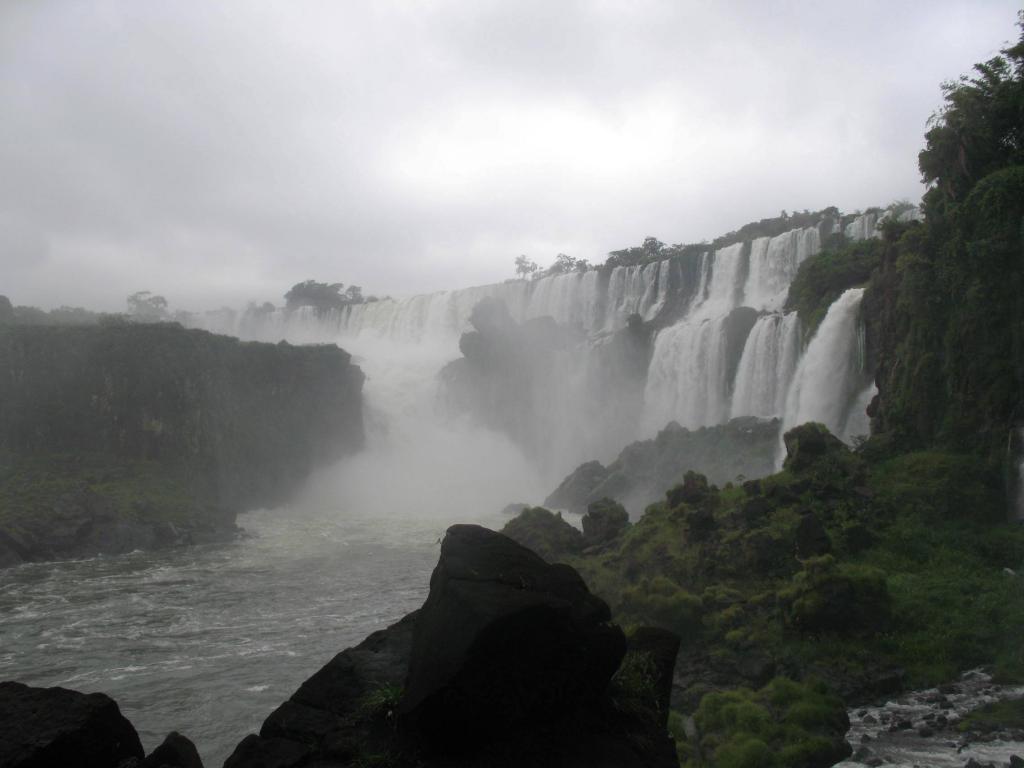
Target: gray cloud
{"points": [[219, 152]]}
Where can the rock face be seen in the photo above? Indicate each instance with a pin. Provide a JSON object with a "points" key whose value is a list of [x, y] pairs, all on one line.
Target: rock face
{"points": [[544, 532], [644, 469], [43, 727], [110, 433], [510, 662], [605, 519], [504, 643]]}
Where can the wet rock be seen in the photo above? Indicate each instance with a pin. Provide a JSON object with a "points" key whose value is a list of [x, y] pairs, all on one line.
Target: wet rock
{"points": [[661, 647], [58, 727], [509, 663], [806, 443], [925, 732], [575, 491], [257, 752], [604, 521], [176, 751], [693, 490], [544, 532], [811, 537], [1016, 761], [505, 643], [972, 763]]}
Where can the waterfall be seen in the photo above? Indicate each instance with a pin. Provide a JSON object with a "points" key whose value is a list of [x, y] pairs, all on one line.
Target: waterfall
{"points": [[721, 289], [766, 368], [828, 376], [686, 381], [730, 351], [864, 227], [689, 375], [773, 265]]}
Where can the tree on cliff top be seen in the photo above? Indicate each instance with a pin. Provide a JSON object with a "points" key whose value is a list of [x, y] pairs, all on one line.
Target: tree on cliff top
{"points": [[525, 267], [980, 129], [147, 306], [322, 296], [6, 310]]}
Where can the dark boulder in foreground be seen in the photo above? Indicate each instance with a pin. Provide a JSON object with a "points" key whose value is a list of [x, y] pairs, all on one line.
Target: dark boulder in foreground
{"points": [[505, 642], [176, 751], [57, 727], [46, 727], [510, 662]]}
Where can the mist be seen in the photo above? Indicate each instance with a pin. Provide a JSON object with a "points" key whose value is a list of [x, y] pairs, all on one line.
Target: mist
{"points": [[217, 154]]}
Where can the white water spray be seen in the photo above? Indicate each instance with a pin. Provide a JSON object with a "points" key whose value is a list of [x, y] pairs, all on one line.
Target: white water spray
{"points": [[828, 376]]}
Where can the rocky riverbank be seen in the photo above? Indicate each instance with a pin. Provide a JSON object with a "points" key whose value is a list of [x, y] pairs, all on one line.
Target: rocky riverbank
{"points": [[944, 727]]}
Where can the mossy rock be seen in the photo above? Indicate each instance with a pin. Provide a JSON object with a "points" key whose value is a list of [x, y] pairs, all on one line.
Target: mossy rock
{"points": [[825, 597], [605, 520], [545, 532]]}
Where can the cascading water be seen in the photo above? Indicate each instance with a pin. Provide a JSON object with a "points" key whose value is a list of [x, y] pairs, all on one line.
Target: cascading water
{"points": [[766, 368], [829, 375], [694, 377], [729, 352], [773, 265]]}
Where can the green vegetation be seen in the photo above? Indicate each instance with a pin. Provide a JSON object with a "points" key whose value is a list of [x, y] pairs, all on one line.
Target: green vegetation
{"points": [[997, 716], [946, 308], [821, 279], [139, 490], [545, 532], [324, 296], [784, 724], [866, 572]]}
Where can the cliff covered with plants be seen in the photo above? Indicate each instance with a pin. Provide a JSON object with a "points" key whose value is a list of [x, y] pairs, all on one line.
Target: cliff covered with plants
{"points": [[124, 436], [868, 571]]}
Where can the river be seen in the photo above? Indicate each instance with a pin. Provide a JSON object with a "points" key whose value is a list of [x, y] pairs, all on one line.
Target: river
{"points": [[209, 640]]}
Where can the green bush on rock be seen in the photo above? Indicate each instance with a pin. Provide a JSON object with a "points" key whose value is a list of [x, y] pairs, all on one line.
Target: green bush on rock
{"points": [[545, 532], [783, 725]]}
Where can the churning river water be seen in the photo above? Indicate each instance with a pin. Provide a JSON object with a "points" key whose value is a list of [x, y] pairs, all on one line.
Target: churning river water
{"points": [[209, 640]]}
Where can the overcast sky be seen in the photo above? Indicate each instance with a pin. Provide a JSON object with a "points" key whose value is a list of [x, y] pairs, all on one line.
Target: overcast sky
{"points": [[217, 152]]}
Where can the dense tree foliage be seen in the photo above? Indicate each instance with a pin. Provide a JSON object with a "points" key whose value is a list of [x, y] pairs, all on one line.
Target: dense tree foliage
{"points": [[147, 306], [323, 296], [979, 130], [946, 311], [525, 267]]}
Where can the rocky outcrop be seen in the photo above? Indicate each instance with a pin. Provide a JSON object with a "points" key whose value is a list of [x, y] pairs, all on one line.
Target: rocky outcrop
{"points": [[605, 520], [742, 448], [525, 379], [45, 727], [41, 727], [510, 662], [124, 436], [544, 532]]}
